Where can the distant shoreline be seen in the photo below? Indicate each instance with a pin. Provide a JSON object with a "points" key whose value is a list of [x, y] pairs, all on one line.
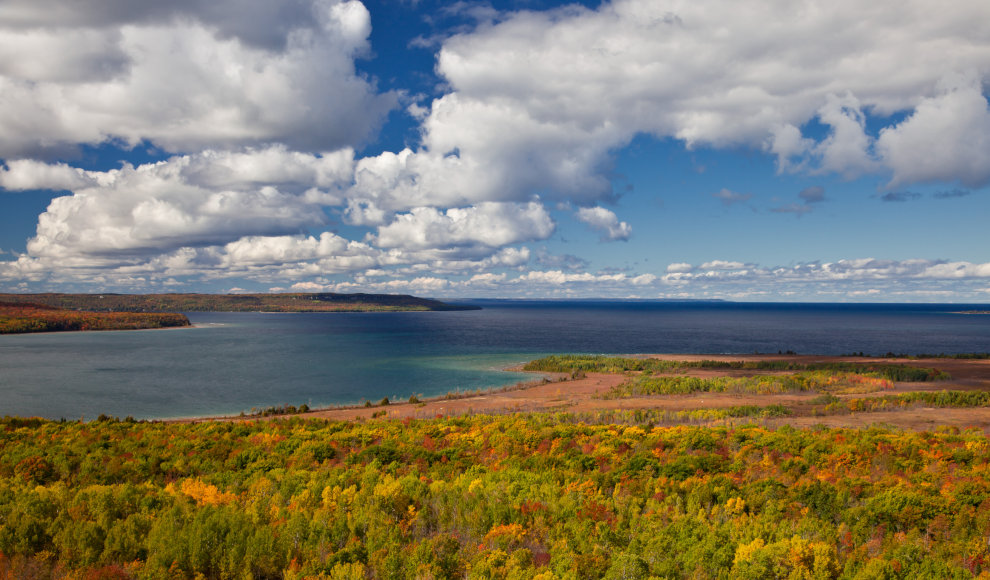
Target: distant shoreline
{"points": [[289, 302], [54, 312]]}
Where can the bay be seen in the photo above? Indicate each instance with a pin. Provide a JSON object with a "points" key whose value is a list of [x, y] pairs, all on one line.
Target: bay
{"points": [[232, 362]]}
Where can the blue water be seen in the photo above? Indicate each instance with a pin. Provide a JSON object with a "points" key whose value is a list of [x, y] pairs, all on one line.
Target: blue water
{"points": [[235, 361]]}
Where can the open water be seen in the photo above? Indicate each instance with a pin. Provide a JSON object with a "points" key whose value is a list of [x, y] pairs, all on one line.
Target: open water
{"points": [[235, 361]]}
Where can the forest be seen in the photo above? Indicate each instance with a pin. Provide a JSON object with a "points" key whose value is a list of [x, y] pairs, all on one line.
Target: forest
{"points": [[298, 302], [24, 317], [538, 496]]}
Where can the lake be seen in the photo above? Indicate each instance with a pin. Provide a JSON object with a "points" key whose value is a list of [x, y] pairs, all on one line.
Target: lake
{"points": [[232, 362]]}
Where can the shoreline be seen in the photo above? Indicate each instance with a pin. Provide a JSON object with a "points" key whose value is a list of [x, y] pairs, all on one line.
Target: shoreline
{"points": [[186, 326], [558, 392]]}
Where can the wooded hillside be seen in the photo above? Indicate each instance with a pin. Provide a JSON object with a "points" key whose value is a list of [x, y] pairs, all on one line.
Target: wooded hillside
{"points": [[25, 317], [302, 302], [514, 497]]}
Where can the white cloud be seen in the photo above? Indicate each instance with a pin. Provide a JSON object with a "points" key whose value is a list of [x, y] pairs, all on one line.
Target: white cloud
{"points": [[604, 221], [289, 249], [308, 287], [841, 271], [889, 280], [22, 174], [191, 201], [846, 150], [679, 267], [539, 100], [724, 265], [179, 79], [536, 103], [486, 224], [947, 137], [487, 279]]}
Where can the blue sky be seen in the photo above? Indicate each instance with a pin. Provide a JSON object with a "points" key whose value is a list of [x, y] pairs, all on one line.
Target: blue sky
{"points": [[652, 149]]}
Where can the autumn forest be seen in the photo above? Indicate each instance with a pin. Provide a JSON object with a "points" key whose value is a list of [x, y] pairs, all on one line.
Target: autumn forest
{"points": [[526, 496]]}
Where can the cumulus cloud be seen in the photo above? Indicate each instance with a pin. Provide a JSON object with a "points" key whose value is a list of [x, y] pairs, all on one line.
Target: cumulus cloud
{"points": [[277, 250], [190, 201], [847, 148], [538, 100], [945, 139], [214, 213], [728, 197], [184, 78], [22, 174], [534, 103], [486, 224], [604, 221], [258, 23], [679, 267], [560, 278]]}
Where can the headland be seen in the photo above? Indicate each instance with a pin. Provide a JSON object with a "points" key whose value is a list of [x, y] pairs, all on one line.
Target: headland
{"points": [[51, 312], [290, 302], [29, 317]]}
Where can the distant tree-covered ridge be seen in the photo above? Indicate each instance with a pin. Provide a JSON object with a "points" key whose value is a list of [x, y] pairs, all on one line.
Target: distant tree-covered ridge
{"points": [[302, 302], [520, 497], [27, 317]]}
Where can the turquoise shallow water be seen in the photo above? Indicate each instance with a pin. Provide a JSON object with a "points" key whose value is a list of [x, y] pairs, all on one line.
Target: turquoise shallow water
{"points": [[235, 361]]}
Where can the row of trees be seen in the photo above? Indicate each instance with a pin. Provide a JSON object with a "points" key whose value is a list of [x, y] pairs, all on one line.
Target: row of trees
{"points": [[652, 366], [817, 381]]}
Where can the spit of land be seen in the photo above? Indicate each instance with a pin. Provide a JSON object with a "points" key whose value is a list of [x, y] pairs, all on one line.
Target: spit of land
{"points": [[592, 396]]}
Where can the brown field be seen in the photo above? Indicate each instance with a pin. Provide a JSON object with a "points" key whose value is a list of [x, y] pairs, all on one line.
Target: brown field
{"points": [[578, 395]]}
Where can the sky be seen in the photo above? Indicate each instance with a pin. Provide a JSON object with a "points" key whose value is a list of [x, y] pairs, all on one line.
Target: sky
{"points": [[749, 150]]}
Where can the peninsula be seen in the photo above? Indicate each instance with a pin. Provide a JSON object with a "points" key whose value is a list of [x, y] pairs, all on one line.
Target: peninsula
{"points": [[29, 317], [299, 302], [27, 313]]}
